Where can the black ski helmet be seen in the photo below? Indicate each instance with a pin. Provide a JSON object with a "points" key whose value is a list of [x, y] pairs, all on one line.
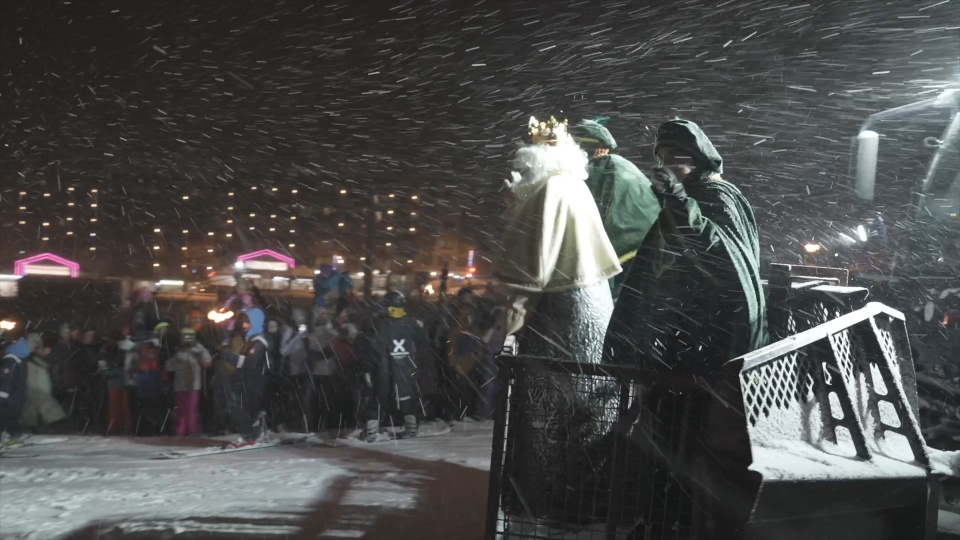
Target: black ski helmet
{"points": [[395, 299]]}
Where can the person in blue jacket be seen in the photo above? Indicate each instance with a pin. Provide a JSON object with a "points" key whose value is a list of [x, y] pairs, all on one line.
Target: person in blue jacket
{"points": [[13, 386], [251, 366]]}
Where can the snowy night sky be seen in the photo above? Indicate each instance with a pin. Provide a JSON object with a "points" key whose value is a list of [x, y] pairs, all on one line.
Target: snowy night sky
{"points": [[169, 96]]}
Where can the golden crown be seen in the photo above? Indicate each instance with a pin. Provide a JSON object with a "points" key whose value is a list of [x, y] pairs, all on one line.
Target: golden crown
{"points": [[548, 132]]}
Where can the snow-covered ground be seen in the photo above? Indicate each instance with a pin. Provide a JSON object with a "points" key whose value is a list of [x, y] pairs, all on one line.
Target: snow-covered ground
{"points": [[93, 487]]}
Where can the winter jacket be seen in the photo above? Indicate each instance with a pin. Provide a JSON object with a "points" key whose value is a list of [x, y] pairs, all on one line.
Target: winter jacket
{"points": [[40, 407], [13, 375], [149, 377], [293, 349], [253, 363], [318, 342], [392, 362], [187, 366]]}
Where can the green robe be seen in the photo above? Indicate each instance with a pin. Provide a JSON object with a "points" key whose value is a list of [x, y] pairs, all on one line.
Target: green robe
{"points": [[693, 298], [627, 204]]}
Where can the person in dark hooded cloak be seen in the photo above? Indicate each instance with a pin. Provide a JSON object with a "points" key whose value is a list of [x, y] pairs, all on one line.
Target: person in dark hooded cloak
{"points": [[693, 300], [624, 195]]}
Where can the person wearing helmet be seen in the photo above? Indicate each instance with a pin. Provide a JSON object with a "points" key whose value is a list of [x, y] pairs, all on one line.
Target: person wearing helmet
{"points": [[188, 368], [250, 372], [390, 366]]}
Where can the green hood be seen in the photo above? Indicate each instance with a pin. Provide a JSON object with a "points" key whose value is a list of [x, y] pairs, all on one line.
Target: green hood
{"points": [[593, 133], [688, 137]]}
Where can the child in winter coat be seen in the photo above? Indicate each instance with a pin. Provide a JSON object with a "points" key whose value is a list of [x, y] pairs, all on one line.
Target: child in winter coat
{"points": [[188, 367]]}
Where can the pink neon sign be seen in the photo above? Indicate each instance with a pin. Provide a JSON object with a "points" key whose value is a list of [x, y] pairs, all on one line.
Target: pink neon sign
{"points": [[268, 253], [20, 267]]}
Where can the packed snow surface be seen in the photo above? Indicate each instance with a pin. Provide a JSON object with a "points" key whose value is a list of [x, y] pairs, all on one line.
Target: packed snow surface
{"points": [[92, 487]]}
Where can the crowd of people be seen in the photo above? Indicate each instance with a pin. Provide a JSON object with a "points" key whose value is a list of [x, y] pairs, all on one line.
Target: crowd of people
{"points": [[337, 366]]}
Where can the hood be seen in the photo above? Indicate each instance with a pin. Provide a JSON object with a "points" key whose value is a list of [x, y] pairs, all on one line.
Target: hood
{"points": [[688, 137], [594, 133], [19, 348], [256, 321]]}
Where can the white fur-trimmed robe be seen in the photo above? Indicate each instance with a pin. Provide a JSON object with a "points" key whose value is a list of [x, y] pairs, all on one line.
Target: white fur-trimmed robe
{"points": [[556, 262]]}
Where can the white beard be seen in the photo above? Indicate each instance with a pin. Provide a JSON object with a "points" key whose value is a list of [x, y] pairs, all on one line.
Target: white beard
{"points": [[534, 163]]}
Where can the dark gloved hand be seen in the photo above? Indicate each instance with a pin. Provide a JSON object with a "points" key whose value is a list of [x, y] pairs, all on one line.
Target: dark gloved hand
{"points": [[665, 182]]}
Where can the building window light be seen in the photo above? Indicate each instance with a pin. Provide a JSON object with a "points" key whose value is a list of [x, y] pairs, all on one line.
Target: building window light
{"points": [[156, 265], [413, 229], [22, 222], [293, 218], [69, 233], [93, 191], [69, 204], [390, 228], [210, 250], [414, 197], [92, 248], [69, 219], [293, 231], [45, 224], [293, 191], [46, 194], [70, 189], [183, 266], [229, 208], [184, 248], [156, 248], [391, 195], [93, 205], [44, 238], [93, 220], [158, 230], [390, 211], [209, 234], [93, 234], [273, 216], [389, 244], [272, 229], [292, 245], [253, 215], [274, 189], [340, 224], [229, 235], [229, 221], [186, 197], [185, 231], [343, 192], [252, 228]]}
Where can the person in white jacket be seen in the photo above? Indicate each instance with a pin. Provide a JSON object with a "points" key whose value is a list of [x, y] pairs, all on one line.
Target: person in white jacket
{"points": [[40, 409], [188, 367]]}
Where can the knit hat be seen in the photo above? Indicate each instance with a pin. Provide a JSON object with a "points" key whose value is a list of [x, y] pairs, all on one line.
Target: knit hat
{"points": [[687, 137], [594, 132]]}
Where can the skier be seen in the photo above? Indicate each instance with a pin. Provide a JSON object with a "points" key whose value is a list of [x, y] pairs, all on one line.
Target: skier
{"points": [[556, 263], [692, 301], [251, 367], [188, 365], [624, 195], [390, 368], [13, 385]]}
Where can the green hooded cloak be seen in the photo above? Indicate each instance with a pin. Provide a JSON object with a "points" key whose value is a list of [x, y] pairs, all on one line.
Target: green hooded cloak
{"points": [[623, 194], [693, 298]]}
